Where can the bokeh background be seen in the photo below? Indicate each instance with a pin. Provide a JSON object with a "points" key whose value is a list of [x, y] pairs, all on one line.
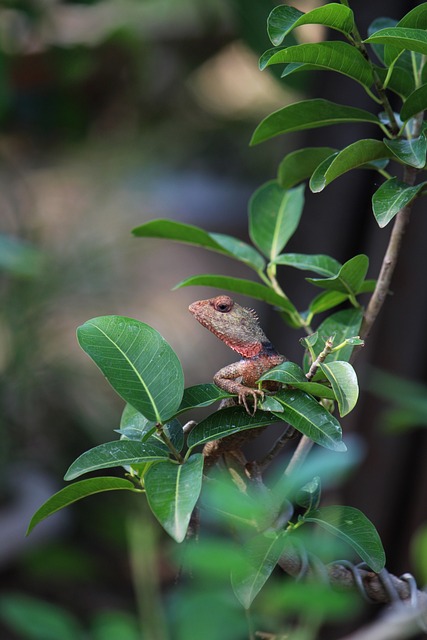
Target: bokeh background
{"points": [[114, 112]]}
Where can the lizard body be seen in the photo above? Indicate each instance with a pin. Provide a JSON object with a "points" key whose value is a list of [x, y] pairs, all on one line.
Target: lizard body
{"points": [[239, 329]]}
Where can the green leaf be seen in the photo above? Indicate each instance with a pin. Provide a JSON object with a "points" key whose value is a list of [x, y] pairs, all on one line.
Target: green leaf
{"points": [[400, 38], [75, 492], [352, 526], [349, 279], [226, 422], [401, 81], [201, 395], [283, 19], [412, 152], [239, 285], [308, 114], [325, 301], [309, 495], [299, 165], [343, 324], [172, 493], [319, 263], [189, 234], [309, 417], [334, 56], [391, 197], [274, 215], [137, 362], [115, 454], [291, 374], [35, 619], [352, 157], [135, 426], [263, 553], [415, 102], [343, 380]]}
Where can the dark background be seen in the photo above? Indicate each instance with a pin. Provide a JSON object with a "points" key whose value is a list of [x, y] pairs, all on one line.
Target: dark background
{"points": [[112, 114]]}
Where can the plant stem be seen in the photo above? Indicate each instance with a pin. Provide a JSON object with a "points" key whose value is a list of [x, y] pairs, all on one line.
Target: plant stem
{"points": [[168, 443]]}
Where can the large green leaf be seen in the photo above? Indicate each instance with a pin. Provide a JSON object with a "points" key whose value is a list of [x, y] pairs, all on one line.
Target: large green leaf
{"points": [[274, 215], [202, 395], [189, 234], [283, 19], [308, 114], [116, 454], [391, 197], [239, 285], [299, 165], [325, 301], [75, 492], [352, 526], [412, 152], [400, 38], [343, 380], [414, 103], [137, 362], [225, 423], [291, 374], [135, 426], [263, 553], [349, 278], [172, 492], [319, 263], [400, 82], [352, 157], [309, 417], [334, 56]]}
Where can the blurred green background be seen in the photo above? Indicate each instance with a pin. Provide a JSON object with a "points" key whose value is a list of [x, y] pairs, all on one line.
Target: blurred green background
{"points": [[113, 112]]}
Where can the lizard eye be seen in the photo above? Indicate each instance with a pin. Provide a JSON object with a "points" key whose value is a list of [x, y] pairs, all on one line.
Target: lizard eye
{"points": [[223, 304]]}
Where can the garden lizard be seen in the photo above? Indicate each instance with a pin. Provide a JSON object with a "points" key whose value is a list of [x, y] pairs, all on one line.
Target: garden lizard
{"points": [[238, 327]]}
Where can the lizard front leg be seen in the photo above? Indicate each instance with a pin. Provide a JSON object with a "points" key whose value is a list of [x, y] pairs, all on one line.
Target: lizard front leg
{"points": [[232, 378]]}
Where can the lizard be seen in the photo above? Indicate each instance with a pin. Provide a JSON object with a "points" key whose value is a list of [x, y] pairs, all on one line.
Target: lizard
{"points": [[238, 327]]}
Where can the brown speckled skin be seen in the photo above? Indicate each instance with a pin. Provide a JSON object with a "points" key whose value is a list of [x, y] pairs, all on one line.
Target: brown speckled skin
{"points": [[238, 328]]}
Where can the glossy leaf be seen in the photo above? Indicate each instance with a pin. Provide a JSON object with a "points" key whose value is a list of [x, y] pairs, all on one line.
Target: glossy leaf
{"points": [[201, 395], [325, 301], [291, 374], [400, 38], [299, 165], [400, 82], [343, 324], [137, 362], [309, 495], [352, 526], [349, 278], [274, 215], [412, 152], [283, 19], [309, 417], [352, 157], [115, 454], [172, 492], [415, 102], [343, 380], [239, 285], [75, 492], [226, 422], [319, 263], [263, 553], [308, 114], [190, 234], [135, 426], [391, 197], [334, 56]]}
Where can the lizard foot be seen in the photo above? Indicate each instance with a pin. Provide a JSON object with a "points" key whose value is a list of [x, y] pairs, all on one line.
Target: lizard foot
{"points": [[255, 394]]}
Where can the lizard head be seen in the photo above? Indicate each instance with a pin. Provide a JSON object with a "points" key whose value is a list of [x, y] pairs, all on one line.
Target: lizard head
{"points": [[236, 326]]}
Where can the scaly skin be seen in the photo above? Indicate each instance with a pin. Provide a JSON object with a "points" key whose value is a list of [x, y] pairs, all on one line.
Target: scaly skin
{"points": [[239, 329]]}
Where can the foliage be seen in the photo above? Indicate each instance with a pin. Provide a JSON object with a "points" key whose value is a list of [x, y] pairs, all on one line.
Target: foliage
{"points": [[158, 453]]}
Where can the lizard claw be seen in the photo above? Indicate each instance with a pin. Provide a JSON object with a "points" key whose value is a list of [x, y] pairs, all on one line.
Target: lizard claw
{"points": [[255, 393]]}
